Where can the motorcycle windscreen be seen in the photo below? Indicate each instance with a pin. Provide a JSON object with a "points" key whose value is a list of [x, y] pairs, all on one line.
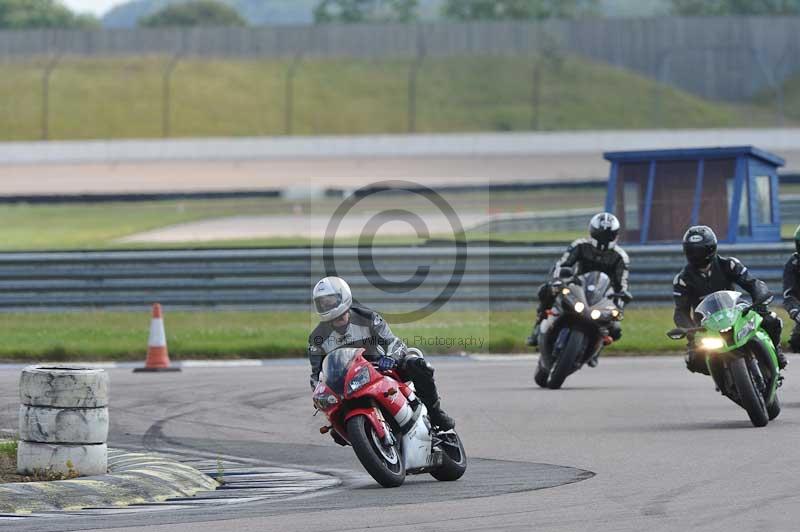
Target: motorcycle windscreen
{"points": [[595, 285], [334, 368], [718, 310]]}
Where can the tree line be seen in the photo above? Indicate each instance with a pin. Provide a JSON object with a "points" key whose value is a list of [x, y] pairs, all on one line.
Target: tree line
{"points": [[25, 14]]}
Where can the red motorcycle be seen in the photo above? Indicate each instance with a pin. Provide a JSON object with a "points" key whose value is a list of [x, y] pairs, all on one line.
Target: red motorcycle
{"points": [[386, 424]]}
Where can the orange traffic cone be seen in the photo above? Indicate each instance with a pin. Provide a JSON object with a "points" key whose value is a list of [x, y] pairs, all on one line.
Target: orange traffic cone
{"points": [[157, 355]]}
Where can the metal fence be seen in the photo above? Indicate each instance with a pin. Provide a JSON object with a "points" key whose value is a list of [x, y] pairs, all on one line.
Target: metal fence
{"points": [[736, 59], [730, 57], [388, 279]]}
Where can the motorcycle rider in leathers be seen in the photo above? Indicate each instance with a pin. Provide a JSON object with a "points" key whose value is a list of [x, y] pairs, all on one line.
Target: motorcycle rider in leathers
{"points": [[791, 292], [343, 324], [706, 273], [599, 252]]}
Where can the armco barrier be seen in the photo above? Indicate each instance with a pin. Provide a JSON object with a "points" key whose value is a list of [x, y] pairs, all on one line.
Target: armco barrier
{"points": [[500, 277]]}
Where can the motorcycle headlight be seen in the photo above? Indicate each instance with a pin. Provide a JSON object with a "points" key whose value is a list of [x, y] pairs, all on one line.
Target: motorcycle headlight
{"points": [[324, 401], [711, 344], [579, 306], [596, 314], [359, 379]]}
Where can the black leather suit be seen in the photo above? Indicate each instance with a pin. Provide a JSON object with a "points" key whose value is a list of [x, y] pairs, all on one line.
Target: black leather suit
{"points": [[584, 256], [791, 297], [691, 285]]}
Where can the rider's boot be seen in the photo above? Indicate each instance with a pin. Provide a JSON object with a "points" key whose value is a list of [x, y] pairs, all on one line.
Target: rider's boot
{"points": [[695, 362], [773, 327], [781, 357], [592, 362], [439, 417], [421, 373], [533, 339]]}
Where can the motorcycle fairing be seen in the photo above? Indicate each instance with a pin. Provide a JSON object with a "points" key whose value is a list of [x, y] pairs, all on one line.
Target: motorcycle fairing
{"points": [[417, 442]]}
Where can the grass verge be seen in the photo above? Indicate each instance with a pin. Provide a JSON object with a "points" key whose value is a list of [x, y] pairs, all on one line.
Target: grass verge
{"points": [[94, 336], [99, 225], [8, 461], [122, 98]]}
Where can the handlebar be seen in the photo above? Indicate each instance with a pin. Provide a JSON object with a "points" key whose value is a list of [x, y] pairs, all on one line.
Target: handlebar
{"points": [[678, 333]]}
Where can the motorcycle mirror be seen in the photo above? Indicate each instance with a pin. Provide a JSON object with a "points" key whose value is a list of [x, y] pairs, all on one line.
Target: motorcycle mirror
{"points": [[676, 334]]}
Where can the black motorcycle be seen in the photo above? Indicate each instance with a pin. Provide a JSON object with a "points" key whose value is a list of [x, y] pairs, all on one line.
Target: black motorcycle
{"points": [[577, 328]]}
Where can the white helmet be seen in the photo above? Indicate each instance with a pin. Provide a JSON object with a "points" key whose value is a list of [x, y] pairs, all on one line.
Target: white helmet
{"points": [[332, 298]]}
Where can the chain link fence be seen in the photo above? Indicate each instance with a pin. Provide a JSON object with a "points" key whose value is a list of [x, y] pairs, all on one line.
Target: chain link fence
{"points": [[362, 79]]}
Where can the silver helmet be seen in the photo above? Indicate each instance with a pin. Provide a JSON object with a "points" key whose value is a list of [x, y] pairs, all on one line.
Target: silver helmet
{"points": [[332, 298], [604, 229]]}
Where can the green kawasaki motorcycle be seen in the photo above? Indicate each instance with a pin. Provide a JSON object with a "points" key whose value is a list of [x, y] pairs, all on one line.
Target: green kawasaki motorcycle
{"points": [[739, 354]]}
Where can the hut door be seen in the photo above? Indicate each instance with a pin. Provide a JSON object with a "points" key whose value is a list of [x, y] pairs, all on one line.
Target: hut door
{"points": [[765, 209], [672, 203]]}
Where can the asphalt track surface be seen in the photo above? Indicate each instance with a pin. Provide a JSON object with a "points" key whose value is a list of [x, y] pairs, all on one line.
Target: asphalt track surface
{"points": [[302, 173], [635, 444]]}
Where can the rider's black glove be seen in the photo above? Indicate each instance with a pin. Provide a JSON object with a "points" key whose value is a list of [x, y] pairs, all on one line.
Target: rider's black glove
{"points": [[761, 310]]}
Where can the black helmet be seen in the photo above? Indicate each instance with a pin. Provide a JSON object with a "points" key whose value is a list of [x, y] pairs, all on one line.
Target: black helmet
{"points": [[604, 228], [700, 246]]}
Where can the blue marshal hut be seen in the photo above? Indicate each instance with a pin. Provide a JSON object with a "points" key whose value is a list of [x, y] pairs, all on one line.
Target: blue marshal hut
{"points": [[658, 194]]}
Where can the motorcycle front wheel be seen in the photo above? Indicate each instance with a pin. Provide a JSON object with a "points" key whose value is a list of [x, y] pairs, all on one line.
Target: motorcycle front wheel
{"points": [[774, 408], [383, 462], [565, 361], [750, 397]]}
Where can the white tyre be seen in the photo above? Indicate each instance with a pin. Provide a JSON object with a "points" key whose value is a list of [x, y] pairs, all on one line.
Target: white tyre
{"points": [[86, 460], [63, 387], [63, 425]]}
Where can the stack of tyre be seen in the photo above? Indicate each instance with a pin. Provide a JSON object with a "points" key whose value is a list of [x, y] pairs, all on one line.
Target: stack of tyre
{"points": [[63, 421]]}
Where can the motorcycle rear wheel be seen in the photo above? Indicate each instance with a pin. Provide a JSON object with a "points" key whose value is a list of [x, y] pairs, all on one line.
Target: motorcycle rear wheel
{"points": [[384, 463], [454, 460], [564, 364], [750, 397]]}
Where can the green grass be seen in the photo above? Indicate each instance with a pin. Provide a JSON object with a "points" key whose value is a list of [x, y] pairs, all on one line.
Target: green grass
{"points": [[122, 98], [791, 100], [8, 448], [199, 335], [99, 225]]}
